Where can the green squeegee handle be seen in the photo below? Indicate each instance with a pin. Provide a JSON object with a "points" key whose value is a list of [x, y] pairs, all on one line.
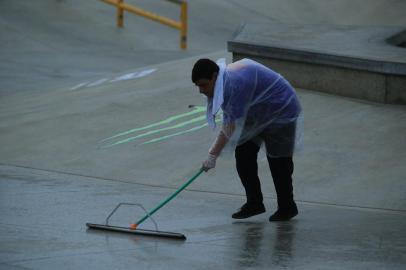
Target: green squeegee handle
{"points": [[169, 198]]}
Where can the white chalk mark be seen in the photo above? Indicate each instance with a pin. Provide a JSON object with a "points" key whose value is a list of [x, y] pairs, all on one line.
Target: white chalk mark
{"points": [[134, 75], [80, 85], [98, 82], [146, 72], [125, 77]]}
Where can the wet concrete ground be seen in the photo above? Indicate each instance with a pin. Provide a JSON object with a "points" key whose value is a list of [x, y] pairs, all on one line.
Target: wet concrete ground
{"points": [[58, 105], [44, 215]]}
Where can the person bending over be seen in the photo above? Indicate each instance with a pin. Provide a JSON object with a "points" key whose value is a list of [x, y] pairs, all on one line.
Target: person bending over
{"points": [[259, 107]]}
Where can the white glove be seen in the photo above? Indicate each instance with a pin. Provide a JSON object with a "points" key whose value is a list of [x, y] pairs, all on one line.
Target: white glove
{"points": [[209, 163]]}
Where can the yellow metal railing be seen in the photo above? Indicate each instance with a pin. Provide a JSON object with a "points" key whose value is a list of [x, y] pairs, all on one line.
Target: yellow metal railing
{"points": [[181, 25]]}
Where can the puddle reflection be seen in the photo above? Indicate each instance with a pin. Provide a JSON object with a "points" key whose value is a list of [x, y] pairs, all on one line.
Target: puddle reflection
{"points": [[265, 244]]}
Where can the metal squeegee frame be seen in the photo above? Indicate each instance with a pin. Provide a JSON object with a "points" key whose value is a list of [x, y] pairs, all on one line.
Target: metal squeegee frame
{"points": [[144, 232]]}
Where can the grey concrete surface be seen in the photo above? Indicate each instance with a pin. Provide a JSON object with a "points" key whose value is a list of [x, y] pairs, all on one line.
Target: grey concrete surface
{"points": [[60, 41], [348, 179], [43, 217], [353, 61], [65, 128], [56, 41], [63, 96]]}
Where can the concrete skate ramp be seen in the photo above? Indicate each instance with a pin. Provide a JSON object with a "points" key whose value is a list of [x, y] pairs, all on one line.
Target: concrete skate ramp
{"points": [[47, 43], [87, 111], [119, 127]]}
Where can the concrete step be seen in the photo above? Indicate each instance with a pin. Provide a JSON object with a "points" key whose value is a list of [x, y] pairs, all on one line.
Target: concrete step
{"points": [[353, 61]]}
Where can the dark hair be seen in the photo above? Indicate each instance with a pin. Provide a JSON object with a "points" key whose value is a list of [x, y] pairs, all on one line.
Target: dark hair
{"points": [[204, 69]]}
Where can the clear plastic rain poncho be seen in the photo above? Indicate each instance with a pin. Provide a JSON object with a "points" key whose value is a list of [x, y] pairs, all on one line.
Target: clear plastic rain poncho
{"points": [[258, 105]]}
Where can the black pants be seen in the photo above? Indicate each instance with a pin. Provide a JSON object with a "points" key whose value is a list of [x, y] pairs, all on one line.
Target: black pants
{"points": [[281, 169]]}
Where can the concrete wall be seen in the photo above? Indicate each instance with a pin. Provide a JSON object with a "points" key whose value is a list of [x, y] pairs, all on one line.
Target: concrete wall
{"points": [[347, 82], [396, 89]]}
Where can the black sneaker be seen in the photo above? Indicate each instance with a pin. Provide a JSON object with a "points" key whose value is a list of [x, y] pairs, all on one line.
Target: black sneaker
{"points": [[283, 215], [247, 211]]}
